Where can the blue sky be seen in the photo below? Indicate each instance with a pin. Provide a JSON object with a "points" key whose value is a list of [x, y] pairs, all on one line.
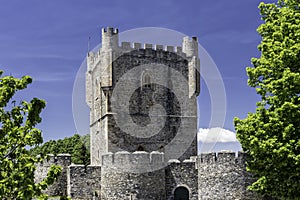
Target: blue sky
{"points": [[48, 41]]}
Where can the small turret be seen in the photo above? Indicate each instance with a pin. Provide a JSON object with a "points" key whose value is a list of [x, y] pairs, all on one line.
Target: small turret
{"points": [[190, 46], [110, 38]]}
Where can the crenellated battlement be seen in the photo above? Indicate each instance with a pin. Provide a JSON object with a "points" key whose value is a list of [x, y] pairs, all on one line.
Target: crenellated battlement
{"points": [[136, 45], [124, 157], [221, 157], [135, 161], [95, 57], [110, 38], [223, 172], [192, 159], [110, 41], [110, 31], [59, 159]]}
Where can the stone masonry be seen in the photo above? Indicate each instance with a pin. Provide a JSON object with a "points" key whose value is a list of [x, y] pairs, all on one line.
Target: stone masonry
{"points": [[135, 165], [107, 66]]}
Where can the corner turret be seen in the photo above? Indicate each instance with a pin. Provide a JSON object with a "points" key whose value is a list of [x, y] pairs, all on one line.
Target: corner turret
{"points": [[110, 38], [190, 46]]}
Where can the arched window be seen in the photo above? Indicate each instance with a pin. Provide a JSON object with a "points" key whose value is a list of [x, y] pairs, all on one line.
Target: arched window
{"points": [[146, 81], [181, 193]]}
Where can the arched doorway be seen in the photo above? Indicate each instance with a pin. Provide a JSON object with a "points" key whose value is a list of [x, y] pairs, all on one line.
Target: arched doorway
{"points": [[181, 193]]}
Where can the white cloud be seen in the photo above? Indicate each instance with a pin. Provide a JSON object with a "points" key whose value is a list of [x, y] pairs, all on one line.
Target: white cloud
{"points": [[216, 134]]}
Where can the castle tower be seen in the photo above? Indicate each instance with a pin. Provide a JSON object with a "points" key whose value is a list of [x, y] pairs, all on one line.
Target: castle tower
{"points": [[143, 126], [106, 70]]}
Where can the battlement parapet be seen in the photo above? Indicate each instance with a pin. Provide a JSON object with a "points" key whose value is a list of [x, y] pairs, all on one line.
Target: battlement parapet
{"points": [[95, 57], [110, 41], [111, 48], [59, 159], [135, 45], [221, 157], [124, 157], [135, 161], [110, 31], [190, 163], [147, 46], [190, 160], [83, 170], [110, 38]]}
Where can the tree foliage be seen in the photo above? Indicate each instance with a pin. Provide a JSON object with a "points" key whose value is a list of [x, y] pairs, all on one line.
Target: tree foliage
{"points": [[271, 135], [17, 131], [77, 146]]}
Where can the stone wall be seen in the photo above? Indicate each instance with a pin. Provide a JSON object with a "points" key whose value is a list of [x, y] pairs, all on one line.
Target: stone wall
{"points": [[177, 120], [182, 174], [147, 176], [84, 182], [129, 176], [59, 188], [143, 98], [223, 176]]}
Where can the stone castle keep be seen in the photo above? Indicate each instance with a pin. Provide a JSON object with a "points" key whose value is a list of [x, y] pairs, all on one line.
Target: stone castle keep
{"points": [[128, 161]]}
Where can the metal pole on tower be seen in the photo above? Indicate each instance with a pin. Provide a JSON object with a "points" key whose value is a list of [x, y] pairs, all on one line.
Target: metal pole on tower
{"points": [[89, 44]]}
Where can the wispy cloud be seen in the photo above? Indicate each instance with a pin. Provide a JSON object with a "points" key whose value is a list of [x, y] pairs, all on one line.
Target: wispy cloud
{"points": [[44, 56], [52, 77], [217, 134]]}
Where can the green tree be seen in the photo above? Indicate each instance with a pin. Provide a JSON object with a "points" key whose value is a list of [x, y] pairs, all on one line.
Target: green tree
{"points": [[81, 154], [77, 146], [271, 135], [17, 131]]}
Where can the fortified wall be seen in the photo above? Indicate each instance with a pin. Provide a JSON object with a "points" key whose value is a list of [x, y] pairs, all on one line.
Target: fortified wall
{"points": [[59, 188], [137, 175], [84, 182], [206, 176], [223, 175]]}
